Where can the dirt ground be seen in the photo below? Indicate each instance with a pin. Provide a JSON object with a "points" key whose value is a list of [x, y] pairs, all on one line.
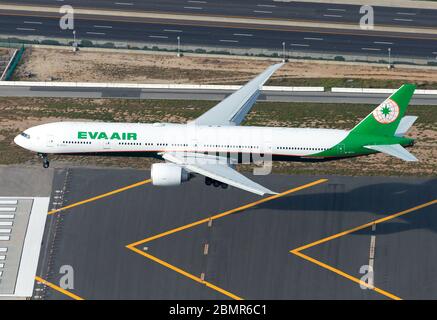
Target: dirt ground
{"points": [[63, 65]]}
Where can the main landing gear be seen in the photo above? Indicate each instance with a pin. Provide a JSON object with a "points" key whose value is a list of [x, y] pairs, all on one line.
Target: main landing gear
{"points": [[45, 160], [215, 183]]}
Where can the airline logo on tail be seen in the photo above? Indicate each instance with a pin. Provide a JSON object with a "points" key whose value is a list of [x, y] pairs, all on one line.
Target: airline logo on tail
{"points": [[386, 112]]}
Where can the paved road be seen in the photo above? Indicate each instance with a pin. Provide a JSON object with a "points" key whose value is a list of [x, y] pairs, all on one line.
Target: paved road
{"points": [[153, 32], [322, 97], [321, 12]]}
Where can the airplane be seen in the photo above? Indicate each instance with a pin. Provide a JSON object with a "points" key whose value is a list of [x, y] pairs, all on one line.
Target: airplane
{"points": [[214, 143]]}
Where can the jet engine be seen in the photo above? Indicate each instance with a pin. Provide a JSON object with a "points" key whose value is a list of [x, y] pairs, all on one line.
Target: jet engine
{"points": [[168, 174]]}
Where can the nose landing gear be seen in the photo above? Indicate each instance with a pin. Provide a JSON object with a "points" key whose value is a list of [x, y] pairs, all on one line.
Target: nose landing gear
{"points": [[45, 160], [215, 183]]}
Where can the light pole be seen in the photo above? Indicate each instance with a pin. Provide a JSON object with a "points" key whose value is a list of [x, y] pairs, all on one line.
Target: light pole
{"points": [[179, 46], [74, 41], [283, 52], [389, 58]]}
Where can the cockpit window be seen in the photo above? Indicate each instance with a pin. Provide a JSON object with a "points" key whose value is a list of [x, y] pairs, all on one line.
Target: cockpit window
{"points": [[25, 135]]}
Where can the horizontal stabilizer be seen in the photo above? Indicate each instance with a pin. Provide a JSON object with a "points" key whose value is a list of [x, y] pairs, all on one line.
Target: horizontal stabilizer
{"points": [[405, 125], [395, 150]]}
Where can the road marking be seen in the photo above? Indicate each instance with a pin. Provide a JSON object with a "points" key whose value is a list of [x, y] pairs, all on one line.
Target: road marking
{"points": [[382, 42], [59, 289], [103, 27], [261, 11], [133, 245], [193, 8], [96, 33], [298, 252], [172, 30], [333, 9], [316, 39], [243, 34], [160, 37], [406, 13], [333, 15], [299, 45], [104, 195], [124, 3], [266, 5], [228, 40], [26, 29], [32, 22], [405, 20], [371, 49]]}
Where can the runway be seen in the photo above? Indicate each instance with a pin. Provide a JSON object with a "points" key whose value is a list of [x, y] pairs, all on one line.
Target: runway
{"points": [[312, 241], [204, 94], [306, 11]]}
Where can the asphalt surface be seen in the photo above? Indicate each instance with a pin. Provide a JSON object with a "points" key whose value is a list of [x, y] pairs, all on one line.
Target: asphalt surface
{"points": [[317, 12], [249, 251], [181, 94], [216, 36]]}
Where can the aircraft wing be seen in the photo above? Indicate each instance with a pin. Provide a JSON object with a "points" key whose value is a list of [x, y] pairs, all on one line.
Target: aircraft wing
{"points": [[233, 109], [217, 168]]}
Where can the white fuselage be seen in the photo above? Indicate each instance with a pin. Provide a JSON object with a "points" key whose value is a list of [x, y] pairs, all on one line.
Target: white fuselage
{"points": [[96, 137]]}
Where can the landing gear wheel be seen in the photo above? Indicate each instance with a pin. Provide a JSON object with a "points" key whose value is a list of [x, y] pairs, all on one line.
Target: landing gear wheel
{"points": [[208, 181], [224, 185], [46, 164], [45, 160], [216, 183]]}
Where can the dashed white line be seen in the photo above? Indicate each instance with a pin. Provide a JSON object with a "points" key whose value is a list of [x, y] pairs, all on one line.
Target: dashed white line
{"points": [[228, 40], [333, 9], [26, 29], [196, 1], [172, 30], [124, 3], [193, 8], [261, 11], [382, 42], [243, 34], [159, 37], [266, 5], [316, 39], [371, 49], [333, 15], [32, 22], [299, 45], [406, 13], [406, 20], [96, 33], [103, 27]]}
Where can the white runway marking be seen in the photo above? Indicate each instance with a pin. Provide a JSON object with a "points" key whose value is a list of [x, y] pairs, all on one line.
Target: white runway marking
{"points": [[299, 45], [172, 30], [406, 13], [316, 39], [196, 1], [266, 5], [124, 3], [160, 37], [371, 49], [333, 9], [26, 29], [228, 40], [193, 8], [103, 27]]}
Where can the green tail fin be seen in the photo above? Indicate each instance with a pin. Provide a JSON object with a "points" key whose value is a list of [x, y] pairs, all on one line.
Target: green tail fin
{"points": [[384, 120]]}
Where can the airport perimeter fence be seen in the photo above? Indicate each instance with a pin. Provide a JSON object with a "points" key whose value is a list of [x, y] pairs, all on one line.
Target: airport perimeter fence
{"points": [[223, 50], [10, 68]]}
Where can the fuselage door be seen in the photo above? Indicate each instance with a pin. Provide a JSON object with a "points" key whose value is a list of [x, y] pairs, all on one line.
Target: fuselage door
{"points": [[50, 140]]}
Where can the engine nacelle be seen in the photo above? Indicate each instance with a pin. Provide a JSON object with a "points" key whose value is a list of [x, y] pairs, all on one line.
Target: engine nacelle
{"points": [[168, 174]]}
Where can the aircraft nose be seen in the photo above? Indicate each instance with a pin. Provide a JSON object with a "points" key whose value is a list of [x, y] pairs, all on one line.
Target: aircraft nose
{"points": [[19, 140]]}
